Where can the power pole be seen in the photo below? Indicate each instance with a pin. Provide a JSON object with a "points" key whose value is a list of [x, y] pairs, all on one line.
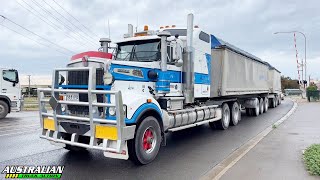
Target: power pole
{"points": [[29, 86], [309, 79]]}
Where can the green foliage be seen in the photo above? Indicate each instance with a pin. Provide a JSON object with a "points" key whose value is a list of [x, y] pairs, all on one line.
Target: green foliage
{"points": [[288, 83], [312, 88], [312, 159]]}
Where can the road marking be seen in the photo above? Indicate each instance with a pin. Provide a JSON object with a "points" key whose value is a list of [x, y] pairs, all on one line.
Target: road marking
{"points": [[220, 169], [21, 132], [24, 128], [17, 124]]}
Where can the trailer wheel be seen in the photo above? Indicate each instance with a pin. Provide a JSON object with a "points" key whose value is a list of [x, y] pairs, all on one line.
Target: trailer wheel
{"points": [[266, 104], [261, 104], [256, 110], [235, 114], [4, 109], [273, 102], [145, 146], [248, 112], [224, 122]]}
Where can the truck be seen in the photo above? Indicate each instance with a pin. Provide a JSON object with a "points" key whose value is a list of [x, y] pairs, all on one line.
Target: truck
{"points": [[155, 81], [10, 94]]}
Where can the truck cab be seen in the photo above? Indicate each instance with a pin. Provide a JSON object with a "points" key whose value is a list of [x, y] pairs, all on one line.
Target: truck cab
{"points": [[156, 81], [10, 94]]}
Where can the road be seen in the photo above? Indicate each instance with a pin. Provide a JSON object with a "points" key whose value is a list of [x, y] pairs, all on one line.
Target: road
{"points": [[189, 154]]}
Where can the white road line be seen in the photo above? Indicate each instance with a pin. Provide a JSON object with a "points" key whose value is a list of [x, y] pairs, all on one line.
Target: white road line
{"points": [[17, 124], [21, 132], [220, 169], [24, 128]]}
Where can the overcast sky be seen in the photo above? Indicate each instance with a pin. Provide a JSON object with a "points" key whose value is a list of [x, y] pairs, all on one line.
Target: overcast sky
{"points": [[248, 24]]}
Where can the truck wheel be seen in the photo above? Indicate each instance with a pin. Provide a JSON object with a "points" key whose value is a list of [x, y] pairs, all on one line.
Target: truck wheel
{"points": [[145, 146], [261, 103], [235, 114], [74, 148], [256, 110], [223, 123], [4, 109], [266, 104], [273, 103], [276, 102], [248, 112]]}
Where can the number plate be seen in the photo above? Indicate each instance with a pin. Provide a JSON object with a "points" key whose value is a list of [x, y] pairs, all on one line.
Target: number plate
{"points": [[72, 97]]}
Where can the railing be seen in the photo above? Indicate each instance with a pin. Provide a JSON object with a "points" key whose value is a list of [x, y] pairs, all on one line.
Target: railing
{"points": [[93, 118]]}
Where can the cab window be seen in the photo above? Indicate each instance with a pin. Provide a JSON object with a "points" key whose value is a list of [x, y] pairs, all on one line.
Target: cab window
{"points": [[10, 75]]}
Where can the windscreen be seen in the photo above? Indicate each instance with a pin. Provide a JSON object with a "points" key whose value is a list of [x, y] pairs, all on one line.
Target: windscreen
{"points": [[143, 51], [10, 75]]}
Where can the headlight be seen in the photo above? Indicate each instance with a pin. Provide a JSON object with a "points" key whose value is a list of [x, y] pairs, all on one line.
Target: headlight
{"points": [[112, 110], [108, 78]]}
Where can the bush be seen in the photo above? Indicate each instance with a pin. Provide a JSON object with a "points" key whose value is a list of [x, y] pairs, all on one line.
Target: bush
{"points": [[312, 159], [312, 88]]}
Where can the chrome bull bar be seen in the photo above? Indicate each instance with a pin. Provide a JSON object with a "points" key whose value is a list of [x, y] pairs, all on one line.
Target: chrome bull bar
{"points": [[122, 133]]}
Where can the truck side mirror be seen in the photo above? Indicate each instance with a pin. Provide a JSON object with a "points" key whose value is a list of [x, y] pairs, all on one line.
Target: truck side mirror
{"points": [[62, 79], [177, 51]]}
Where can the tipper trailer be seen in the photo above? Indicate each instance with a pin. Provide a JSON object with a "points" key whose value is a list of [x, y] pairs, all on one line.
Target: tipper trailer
{"points": [[156, 82]]}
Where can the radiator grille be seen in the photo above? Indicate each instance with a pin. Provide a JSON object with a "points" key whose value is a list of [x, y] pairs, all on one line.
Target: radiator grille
{"points": [[82, 77]]}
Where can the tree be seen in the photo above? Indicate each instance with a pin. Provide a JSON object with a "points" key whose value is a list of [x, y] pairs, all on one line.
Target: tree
{"points": [[288, 83]]}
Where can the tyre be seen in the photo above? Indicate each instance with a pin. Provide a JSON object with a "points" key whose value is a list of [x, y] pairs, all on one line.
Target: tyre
{"points": [[276, 100], [145, 146], [224, 122], [256, 110], [4, 109], [248, 112], [266, 104], [235, 114], [261, 104], [273, 103], [75, 148]]}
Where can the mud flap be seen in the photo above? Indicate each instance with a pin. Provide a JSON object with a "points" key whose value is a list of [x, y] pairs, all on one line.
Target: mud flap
{"points": [[124, 155]]}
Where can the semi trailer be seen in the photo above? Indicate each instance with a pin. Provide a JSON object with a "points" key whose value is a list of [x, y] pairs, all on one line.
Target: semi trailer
{"points": [[11, 99], [156, 81]]}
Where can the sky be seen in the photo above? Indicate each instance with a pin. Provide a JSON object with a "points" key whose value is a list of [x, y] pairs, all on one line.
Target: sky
{"points": [[248, 24]]}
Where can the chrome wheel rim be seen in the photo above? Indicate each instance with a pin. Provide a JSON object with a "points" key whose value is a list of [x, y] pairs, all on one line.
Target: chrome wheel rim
{"points": [[226, 117], [149, 140]]}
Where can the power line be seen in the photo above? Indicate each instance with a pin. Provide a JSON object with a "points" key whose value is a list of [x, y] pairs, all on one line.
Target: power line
{"points": [[76, 19], [33, 39], [64, 24], [5, 18], [53, 25], [48, 20], [66, 18]]}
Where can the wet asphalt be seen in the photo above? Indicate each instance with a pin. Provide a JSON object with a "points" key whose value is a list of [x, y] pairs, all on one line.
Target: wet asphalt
{"points": [[189, 153]]}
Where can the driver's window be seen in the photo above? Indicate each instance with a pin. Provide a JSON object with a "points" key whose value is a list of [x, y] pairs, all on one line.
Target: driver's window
{"points": [[9, 75]]}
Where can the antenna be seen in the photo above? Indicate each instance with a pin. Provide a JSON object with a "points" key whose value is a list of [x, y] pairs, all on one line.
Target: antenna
{"points": [[137, 23], [109, 28]]}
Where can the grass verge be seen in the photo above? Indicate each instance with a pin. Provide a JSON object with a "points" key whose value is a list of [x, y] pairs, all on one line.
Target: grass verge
{"points": [[311, 158]]}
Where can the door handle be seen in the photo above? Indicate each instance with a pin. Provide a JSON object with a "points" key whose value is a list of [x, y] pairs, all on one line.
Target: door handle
{"points": [[4, 89]]}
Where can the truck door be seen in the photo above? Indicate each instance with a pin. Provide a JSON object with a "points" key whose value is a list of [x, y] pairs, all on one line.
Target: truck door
{"points": [[10, 87]]}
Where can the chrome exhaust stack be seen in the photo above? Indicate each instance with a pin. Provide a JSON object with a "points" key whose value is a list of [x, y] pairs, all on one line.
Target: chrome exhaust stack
{"points": [[188, 64]]}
